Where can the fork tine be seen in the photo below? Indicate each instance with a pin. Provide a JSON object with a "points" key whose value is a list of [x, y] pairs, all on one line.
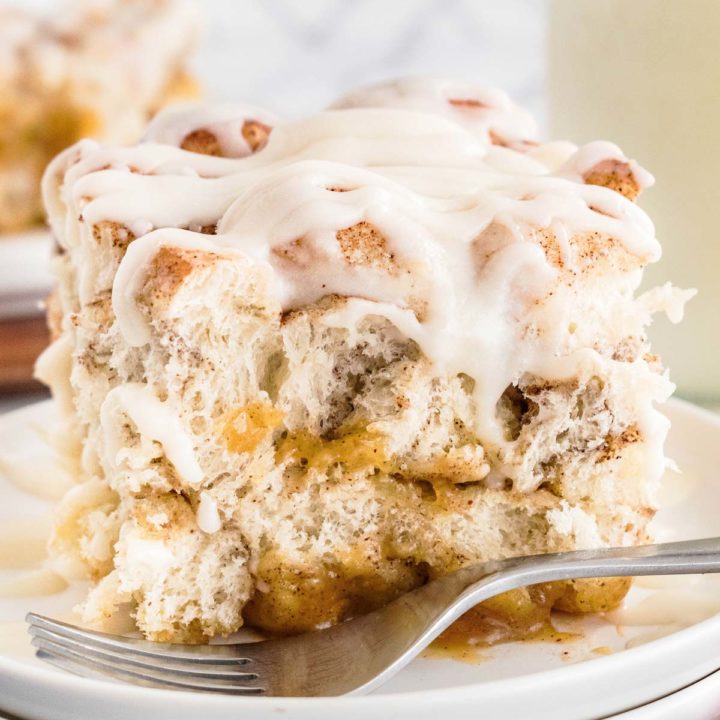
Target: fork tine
{"points": [[207, 654], [79, 664], [199, 672], [78, 668]]}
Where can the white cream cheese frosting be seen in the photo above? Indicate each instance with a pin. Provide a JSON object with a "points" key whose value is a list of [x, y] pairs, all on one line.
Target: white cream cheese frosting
{"points": [[449, 174], [156, 421]]}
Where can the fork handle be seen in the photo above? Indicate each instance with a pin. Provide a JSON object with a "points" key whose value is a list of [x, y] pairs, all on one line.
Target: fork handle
{"points": [[676, 558], [462, 590]]}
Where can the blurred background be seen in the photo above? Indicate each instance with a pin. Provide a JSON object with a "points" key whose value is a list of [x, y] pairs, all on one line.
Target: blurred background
{"points": [[643, 74], [294, 56]]}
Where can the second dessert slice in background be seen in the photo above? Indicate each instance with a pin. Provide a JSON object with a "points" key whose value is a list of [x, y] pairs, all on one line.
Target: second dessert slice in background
{"points": [[93, 69]]}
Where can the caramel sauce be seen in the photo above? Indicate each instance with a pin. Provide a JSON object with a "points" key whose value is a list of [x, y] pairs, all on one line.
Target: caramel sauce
{"points": [[526, 615], [523, 614], [354, 446], [248, 426]]}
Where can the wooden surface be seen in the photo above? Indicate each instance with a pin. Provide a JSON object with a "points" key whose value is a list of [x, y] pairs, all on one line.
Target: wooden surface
{"points": [[21, 341]]}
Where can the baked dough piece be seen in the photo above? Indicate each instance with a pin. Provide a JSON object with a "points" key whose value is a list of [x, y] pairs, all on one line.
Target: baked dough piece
{"points": [[308, 373]]}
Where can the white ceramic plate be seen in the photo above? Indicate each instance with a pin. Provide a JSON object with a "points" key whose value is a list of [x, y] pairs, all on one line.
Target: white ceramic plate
{"points": [[699, 701], [665, 639], [25, 277]]}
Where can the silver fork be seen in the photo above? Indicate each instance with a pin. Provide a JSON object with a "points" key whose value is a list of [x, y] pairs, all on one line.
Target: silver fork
{"points": [[358, 655]]}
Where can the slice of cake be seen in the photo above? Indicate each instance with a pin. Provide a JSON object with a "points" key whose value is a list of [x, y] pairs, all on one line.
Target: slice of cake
{"points": [[98, 69], [306, 366]]}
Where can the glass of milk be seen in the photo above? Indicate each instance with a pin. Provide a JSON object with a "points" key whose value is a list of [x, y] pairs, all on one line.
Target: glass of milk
{"points": [[646, 75]]}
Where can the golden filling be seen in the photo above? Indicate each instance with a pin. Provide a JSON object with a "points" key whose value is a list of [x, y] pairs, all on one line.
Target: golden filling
{"points": [[247, 427], [355, 447], [294, 599], [526, 614]]}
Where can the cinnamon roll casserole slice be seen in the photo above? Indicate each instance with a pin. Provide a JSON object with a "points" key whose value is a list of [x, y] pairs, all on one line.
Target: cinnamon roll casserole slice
{"points": [[307, 365]]}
